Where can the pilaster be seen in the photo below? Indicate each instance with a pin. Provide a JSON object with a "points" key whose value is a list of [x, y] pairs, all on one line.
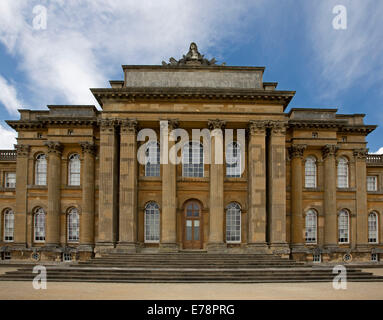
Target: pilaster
{"points": [[329, 202], [277, 187], [217, 210], [54, 193], [297, 220], [257, 186], [128, 186], [87, 224], [21, 195], [108, 185], [169, 184], [361, 197]]}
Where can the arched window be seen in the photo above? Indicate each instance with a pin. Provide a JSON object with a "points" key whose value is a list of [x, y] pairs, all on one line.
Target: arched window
{"points": [[152, 222], [233, 222], [152, 159], [74, 170], [342, 173], [9, 225], [311, 227], [73, 225], [373, 227], [233, 160], [39, 225], [192, 159], [343, 227], [41, 170], [310, 173]]}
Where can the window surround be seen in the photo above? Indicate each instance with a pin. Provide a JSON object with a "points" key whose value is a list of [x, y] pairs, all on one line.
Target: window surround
{"points": [[313, 172], [7, 214], [344, 213], [314, 225], [376, 227], [237, 210], [155, 222], [39, 211]]}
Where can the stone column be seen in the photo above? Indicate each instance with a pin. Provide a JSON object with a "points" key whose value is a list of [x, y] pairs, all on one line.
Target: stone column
{"points": [[257, 187], [54, 194], [87, 215], [108, 192], [169, 190], [277, 187], [329, 201], [217, 210], [128, 187], [297, 220], [21, 196], [361, 198]]}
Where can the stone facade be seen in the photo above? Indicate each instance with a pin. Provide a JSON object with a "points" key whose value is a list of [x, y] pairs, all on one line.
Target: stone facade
{"points": [[114, 190]]}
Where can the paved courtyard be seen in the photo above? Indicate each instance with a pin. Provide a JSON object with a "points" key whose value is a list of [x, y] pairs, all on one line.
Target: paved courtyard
{"points": [[142, 291]]}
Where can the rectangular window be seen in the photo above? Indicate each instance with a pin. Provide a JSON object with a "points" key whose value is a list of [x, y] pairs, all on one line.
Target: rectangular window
{"points": [[374, 257], [10, 179], [317, 258], [372, 183]]}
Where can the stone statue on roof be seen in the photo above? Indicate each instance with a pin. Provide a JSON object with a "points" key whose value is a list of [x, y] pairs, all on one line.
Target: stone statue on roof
{"points": [[192, 58]]}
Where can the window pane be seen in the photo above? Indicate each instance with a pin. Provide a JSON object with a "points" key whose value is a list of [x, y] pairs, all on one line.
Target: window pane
{"points": [[196, 229], [310, 173], [41, 170], [372, 228], [233, 223], [189, 230], [152, 222], [343, 227], [39, 225], [8, 225], [342, 173], [233, 160], [10, 180], [152, 160], [74, 170], [311, 227], [372, 183], [73, 226], [192, 159]]}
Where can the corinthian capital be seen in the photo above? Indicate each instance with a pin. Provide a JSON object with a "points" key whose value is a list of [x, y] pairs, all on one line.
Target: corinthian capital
{"points": [[257, 127], [54, 147], [277, 127], [88, 147], [107, 125], [128, 125], [360, 153], [216, 124], [296, 150], [329, 150], [22, 150]]}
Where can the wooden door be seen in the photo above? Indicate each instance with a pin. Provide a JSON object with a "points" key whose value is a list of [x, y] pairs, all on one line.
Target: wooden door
{"points": [[192, 226]]}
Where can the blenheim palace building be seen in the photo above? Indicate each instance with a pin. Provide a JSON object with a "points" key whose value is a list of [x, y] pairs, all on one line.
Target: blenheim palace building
{"points": [[297, 184]]}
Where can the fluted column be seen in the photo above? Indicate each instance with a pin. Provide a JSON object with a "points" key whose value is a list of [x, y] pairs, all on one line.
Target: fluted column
{"points": [[108, 190], [329, 205], [87, 216], [361, 198], [21, 196], [257, 186], [217, 210], [169, 190], [128, 186], [54, 193], [277, 187], [297, 221]]}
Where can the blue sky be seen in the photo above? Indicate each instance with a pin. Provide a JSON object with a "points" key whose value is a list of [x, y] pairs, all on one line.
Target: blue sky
{"points": [[86, 42]]}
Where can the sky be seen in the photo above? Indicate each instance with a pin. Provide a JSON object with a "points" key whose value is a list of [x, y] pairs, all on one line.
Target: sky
{"points": [[53, 51]]}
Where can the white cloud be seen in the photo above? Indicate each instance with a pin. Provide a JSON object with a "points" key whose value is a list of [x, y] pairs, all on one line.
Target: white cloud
{"points": [[86, 42], [7, 138], [380, 151], [351, 57], [8, 96]]}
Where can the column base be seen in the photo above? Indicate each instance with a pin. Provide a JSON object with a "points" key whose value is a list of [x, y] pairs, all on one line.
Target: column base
{"points": [[103, 247], [168, 247], [219, 247], [126, 247], [281, 248], [258, 248], [86, 248]]}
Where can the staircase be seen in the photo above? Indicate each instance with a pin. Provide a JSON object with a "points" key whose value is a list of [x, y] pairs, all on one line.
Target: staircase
{"points": [[188, 267]]}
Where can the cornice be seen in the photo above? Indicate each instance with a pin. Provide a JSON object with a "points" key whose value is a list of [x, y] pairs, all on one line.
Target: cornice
{"points": [[185, 94]]}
